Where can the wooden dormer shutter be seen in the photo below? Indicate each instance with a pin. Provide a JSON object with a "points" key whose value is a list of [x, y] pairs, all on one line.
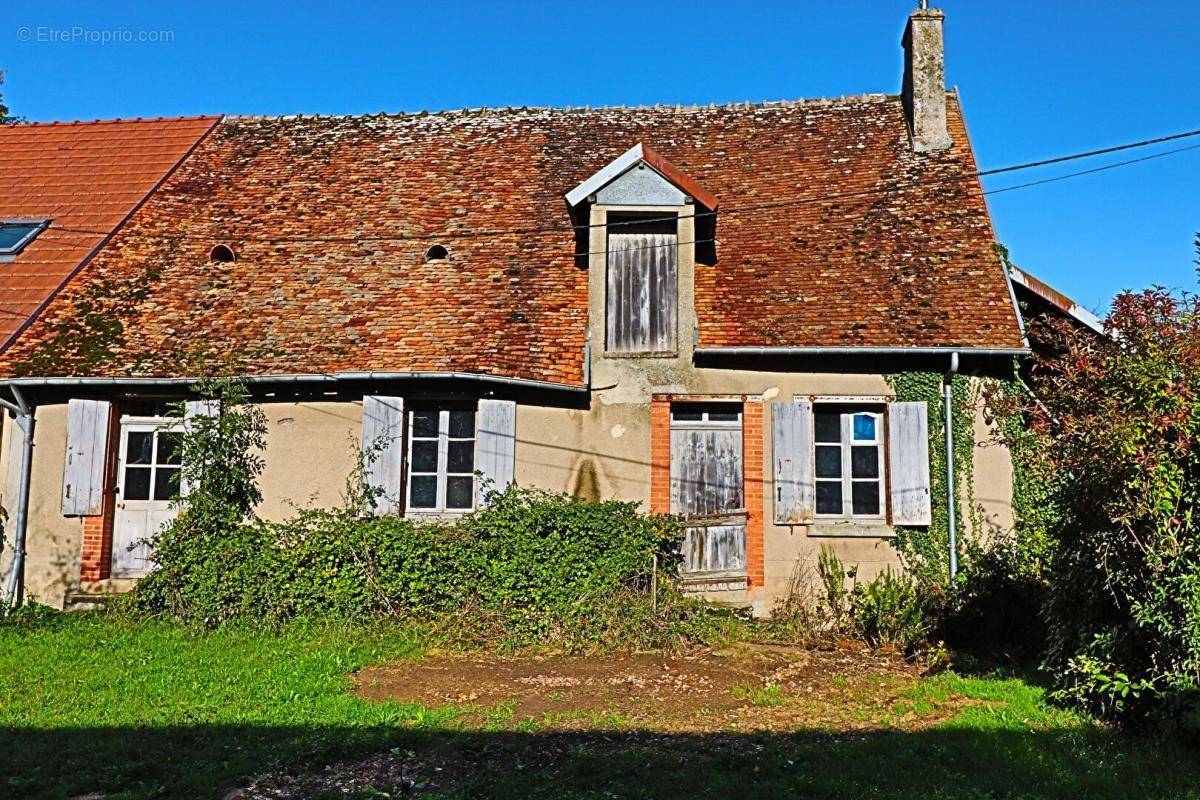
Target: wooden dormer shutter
{"points": [[642, 292]]}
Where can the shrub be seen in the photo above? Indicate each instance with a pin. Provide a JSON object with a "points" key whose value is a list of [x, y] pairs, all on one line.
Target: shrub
{"points": [[1118, 420], [891, 610]]}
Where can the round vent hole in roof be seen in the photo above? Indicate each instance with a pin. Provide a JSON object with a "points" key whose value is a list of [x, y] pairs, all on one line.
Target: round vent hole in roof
{"points": [[222, 254], [437, 253]]}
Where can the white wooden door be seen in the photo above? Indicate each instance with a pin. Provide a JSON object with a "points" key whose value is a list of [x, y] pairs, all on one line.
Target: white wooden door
{"points": [[147, 484]]}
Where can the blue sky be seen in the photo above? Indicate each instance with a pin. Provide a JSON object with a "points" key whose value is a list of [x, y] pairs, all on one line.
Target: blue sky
{"points": [[1038, 79]]}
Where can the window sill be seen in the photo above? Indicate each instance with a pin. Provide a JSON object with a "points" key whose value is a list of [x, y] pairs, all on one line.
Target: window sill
{"points": [[656, 354], [433, 516], [849, 528]]}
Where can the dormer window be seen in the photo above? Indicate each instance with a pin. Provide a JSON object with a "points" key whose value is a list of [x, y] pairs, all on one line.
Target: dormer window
{"points": [[642, 284], [16, 234]]}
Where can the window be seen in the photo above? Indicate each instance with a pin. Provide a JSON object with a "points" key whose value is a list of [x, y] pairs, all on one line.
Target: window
{"points": [[640, 314], [441, 459], [849, 462], [15, 234], [152, 463]]}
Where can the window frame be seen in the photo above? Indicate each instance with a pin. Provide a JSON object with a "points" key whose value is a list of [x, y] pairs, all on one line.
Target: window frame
{"points": [[442, 473], [846, 444], [155, 426], [39, 225]]}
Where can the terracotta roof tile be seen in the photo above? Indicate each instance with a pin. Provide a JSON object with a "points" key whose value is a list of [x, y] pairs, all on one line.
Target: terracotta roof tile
{"points": [[82, 175], [910, 263]]}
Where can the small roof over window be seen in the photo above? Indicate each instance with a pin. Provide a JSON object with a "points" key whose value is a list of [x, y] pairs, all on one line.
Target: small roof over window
{"points": [[15, 234], [641, 157]]}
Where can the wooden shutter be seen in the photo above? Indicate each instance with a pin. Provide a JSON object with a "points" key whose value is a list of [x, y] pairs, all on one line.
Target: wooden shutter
{"points": [[87, 453], [383, 450], [706, 470], [792, 450], [641, 293], [495, 447], [191, 410], [908, 463]]}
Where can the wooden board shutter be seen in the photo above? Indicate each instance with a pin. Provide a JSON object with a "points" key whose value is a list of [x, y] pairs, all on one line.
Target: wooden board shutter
{"points": [[908, 463], [642, 292], [792, 451], [383, 433], [191, 410], [87, 454], [495, 447]]}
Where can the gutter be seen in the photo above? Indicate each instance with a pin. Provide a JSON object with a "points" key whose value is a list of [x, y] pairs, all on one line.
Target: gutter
{"points": [[1009, 352], [324, 378], [23, 415]]}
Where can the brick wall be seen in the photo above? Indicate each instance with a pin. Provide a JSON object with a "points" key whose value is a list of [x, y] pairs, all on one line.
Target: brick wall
{"points": [[95, 563], [660, 455], [752, 461]]}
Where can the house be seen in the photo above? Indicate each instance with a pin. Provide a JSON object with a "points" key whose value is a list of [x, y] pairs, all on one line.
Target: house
{"points": [[698, 308]]}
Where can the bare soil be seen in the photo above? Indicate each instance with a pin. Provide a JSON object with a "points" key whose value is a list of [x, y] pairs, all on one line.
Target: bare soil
{"points": [[757, 687]]}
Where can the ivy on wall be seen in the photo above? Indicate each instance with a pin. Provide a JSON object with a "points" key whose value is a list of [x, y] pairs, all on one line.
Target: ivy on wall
{"points": [[926, 551]]}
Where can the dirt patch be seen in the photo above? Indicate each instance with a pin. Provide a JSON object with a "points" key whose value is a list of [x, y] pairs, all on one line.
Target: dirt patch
{"points": [[760, 687]]}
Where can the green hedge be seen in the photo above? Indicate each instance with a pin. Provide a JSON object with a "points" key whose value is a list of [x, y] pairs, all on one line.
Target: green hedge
{"points": [[538, 560]]}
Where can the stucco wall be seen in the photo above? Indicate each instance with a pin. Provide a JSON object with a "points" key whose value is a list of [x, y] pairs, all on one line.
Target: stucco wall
{"points": [[600, 453]]}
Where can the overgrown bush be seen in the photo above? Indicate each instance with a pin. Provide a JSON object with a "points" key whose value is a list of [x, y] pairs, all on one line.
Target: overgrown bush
{"points": [[891, 610], [1117, 418]]}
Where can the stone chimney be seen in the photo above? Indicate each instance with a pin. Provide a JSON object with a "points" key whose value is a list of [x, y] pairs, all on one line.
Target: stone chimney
{"points": [[925, 80]]}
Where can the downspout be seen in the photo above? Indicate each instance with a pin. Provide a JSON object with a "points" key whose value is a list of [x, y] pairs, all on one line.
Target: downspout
{"points": [[951, 486], [23, 416]]}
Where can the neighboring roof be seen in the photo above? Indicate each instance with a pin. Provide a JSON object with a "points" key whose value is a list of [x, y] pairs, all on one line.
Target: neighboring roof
{"points": [[81, 175], [1046, 297], [634, 155], [331, 218]]}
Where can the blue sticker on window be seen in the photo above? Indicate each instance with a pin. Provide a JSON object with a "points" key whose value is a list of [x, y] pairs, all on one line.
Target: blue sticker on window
{"points": [[864, 428]]}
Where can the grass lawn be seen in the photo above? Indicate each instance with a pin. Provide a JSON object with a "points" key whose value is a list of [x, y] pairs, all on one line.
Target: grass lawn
{"points": [[92, 704]]}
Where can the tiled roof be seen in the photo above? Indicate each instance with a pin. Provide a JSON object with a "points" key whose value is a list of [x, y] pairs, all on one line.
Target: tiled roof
{"points": [[83, 175], [914, 266]]}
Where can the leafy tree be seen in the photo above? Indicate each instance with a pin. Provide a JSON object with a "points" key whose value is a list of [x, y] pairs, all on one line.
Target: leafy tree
{"points": [[1117, 419], [5, 117]]}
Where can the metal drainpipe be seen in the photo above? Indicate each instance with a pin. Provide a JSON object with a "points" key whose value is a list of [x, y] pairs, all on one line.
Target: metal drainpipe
{"points": [[16, 578], [948, 399]]}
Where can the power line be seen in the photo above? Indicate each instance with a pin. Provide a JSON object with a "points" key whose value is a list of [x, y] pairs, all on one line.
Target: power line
{"points": [[1092, 171], [449, 235]]}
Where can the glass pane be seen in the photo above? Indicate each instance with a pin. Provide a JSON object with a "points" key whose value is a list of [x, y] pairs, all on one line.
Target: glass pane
{"points": [[11, 233], [424, 491], [150, 408], [461, 457], [138, 447], [687, 414], [137, 483], [829, 497], [864, 428], [425, 424], [166, 483], [866, 497], [727, 413], [864, 461], [458, 492], [462, 424], [424, 455], [829, 461], [828, 426], [168, 449]]}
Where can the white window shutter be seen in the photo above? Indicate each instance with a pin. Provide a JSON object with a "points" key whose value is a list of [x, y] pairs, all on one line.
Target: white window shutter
{"points": [[792, 451], [87, 453], [908, 463], [495, 447], [191, 410], [383, 431]]}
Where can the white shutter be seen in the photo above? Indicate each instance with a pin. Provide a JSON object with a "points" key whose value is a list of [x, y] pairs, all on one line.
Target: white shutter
{"points": [[792, 451], [383, 429], [191, 410], [495, 447], [908, 463], [87, 451]]}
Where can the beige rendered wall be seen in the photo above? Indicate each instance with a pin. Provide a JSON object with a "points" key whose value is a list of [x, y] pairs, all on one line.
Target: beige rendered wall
{"points": [[600, 453]]}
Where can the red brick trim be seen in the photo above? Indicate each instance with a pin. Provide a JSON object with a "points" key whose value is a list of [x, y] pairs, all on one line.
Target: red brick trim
{"points": [[95, 562], [752, 479], [660, 455]]}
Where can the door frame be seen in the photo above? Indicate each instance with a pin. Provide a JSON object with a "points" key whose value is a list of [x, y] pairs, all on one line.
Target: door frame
{"points": [[127, 424]]}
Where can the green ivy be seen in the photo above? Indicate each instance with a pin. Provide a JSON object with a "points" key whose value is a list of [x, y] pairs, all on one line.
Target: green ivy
{"points": [[926, 551]]}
